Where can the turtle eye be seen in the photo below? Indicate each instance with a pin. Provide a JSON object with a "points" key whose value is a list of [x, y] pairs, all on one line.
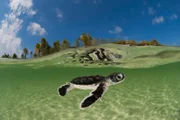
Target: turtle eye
{"points": [[119, 77]]}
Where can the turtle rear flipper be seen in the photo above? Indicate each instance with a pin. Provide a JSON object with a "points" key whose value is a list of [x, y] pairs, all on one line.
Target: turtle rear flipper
{"points": [[64, 89]]}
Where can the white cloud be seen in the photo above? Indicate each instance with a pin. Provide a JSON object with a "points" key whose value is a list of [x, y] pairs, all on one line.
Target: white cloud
{"points": [[116, 30], [151, 11], [59, 14], [21, 7], [36, 29], [11, 25], [158, 20], [174, 17], [32, 12]]}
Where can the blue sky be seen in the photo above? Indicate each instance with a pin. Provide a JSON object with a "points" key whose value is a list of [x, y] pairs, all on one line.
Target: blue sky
{"points": [[25, 22]]}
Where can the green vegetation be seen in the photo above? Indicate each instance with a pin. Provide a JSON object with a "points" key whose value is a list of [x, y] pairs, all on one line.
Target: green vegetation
{"points": [[14, 56], [37, 50], [22, 56], [86, 39], [56, 46], [142, 43], [65, 44], [31, 53], [132, 57], [6, 56], [43, 48], [25, 50], [77, 43]]}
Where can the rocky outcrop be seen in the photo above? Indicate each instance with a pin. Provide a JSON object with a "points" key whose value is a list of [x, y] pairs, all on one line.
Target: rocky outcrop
{"points": [[99, 54]]}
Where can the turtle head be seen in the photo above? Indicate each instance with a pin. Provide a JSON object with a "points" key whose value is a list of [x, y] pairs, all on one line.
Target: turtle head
{"points": [[116, 77]]}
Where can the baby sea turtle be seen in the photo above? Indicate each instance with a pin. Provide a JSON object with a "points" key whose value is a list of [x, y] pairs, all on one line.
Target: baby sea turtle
{"points": [[99, 84]]}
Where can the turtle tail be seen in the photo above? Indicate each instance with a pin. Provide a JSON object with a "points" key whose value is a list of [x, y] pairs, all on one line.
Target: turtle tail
{"points": [[63, 89]]}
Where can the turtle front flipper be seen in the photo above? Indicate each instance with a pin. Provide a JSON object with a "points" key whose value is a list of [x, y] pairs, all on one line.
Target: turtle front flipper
{"points": [[94, 96], [64, 89]]}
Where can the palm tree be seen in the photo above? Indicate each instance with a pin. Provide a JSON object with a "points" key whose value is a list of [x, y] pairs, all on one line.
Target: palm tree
{"points": [[44, 47], [77, 43], [37, 49], [31, 53], [102, 41], [14, 56], [86, 39], [95, 42], [22, 56], [43, 43], [6, 56], [65, 44], [134, 42], [154, 42], [34, 55], [25, 50], [56, 46], [142, 43]]}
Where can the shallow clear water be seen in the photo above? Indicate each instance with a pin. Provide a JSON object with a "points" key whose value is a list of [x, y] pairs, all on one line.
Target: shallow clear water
{"points": [[146, 94]]}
